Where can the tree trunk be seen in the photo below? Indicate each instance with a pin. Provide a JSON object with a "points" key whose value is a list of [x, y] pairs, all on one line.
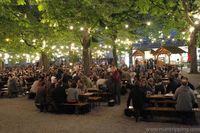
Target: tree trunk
{"points": [[86, 51], [86, 61], [114, 48], [130, 57], [115, 59], [1, 64], [44, 61], [90, 56], [192, 51]]}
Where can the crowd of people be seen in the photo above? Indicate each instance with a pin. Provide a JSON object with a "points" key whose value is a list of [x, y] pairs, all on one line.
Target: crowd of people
{"points": [[161, 80], [61, 83], [65, 83]]}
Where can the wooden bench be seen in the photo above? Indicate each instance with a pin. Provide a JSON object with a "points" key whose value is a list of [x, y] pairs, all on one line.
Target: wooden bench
{"points": [[80, 108], [170, 112], [168, 109], [95, 100], [163, 101]]}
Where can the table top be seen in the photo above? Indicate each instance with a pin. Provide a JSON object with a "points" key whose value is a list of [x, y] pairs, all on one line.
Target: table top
{"points": [[165, 78], [170, 96], [87, 94], [92, 89]]}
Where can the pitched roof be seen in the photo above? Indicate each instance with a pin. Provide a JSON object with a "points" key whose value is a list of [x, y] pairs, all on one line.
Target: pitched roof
{"points": [[138, 52], [169, 50]]}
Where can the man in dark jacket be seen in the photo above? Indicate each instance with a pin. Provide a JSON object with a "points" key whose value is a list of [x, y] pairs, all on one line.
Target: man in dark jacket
{"points": [[172, 86], [138, 97]]}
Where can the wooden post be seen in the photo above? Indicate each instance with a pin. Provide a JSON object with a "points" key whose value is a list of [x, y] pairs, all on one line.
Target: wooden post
{"points": [[181, 60], [169, 55]]}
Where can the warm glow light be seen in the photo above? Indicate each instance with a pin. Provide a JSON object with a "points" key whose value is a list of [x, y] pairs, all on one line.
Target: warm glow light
{"points": [[183, 33], [71, 27], [43, 44], [197, 16], [140, 40], [53, 47], [106, 27], [196, 22], [6, 56], [21, 40], [70, 64], [163, 40], [191, 29], [81, 29], [126, 26], [148, 23], [62, 47], [7, 39], [72, 44], [168, 37]]}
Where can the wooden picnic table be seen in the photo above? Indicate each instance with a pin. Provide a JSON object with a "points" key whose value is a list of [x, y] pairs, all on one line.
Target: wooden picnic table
{"points": [[92, 89], [86, 94], [160, 96]]}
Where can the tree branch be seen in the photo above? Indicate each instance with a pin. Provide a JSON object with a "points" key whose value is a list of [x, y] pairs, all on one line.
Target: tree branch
{"points": [[26, 42], [156, 5], [189, 20]]}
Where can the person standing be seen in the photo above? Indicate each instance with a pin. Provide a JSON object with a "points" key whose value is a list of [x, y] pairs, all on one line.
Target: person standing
{"points": [[116, 78], [184, 101]]}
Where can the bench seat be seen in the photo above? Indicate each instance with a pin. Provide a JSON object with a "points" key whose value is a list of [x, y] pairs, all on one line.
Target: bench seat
{"points": [[169, 109], [163, 101]]}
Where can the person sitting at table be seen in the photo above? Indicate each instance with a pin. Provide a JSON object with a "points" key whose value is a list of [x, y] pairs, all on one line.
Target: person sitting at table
{"points": [[184, 101], [52, 107], [159, 87], [151, 84], [72, 93], [101, 84], [65, 78], [172, 85], [144, 86], [81, 87], [12, 87], [58, 94], [41, 95]]}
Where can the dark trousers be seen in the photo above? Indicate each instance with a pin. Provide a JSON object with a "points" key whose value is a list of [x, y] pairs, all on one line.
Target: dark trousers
{"points": [[117, 93], [187, 117]]}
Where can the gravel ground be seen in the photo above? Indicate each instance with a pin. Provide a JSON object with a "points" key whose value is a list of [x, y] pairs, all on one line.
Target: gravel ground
{"points": [[19, 115]]}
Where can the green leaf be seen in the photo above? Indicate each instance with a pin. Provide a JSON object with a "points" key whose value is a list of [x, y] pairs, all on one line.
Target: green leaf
{"points": [[21, 2], [41, 7]]}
